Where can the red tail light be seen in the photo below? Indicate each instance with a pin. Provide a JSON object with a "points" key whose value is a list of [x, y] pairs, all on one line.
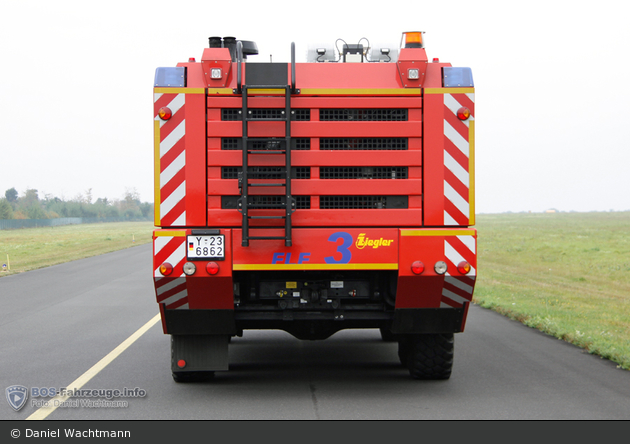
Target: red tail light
{"points": [[212, 268], [165, 113], [463, 113], [417, 267], [166, 269], [463, 267]]}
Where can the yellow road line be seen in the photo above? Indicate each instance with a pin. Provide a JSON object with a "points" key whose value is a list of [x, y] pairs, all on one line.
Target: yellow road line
{"points": [[43, 412]]}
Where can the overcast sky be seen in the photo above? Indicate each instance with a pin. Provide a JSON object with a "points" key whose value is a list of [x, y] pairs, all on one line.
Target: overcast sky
{"points": [[552, 83]]}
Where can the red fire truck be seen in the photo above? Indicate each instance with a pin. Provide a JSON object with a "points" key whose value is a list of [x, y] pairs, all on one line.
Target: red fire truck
{"points": [[313, 197]]}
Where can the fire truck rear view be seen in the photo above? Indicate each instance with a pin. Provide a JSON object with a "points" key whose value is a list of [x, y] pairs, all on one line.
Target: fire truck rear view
{"points": [[313, 197]]}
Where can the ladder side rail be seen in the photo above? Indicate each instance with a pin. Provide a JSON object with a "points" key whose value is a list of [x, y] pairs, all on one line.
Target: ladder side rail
{"points": [[290, 206], [245, 175]]}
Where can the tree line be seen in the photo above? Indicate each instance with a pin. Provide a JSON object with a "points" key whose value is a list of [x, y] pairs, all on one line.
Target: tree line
{"points": [[31, 206]]}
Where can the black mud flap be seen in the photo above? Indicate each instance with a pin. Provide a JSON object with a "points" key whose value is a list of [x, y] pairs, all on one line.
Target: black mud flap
{"points": [[428, 320], [200, 322], [199, 353]]}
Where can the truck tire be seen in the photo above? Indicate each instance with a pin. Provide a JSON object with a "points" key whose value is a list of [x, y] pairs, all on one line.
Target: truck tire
{"points": [[192, 376], [387, 335], [430, 356], [403, 351]]}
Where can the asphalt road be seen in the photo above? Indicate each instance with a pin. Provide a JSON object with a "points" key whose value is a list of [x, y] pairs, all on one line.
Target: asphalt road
{"points": [[57, 322]]}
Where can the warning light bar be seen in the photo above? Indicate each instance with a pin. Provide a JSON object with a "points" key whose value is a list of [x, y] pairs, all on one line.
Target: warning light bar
{"points": [[457, 77], [170, 77], [412, 39]]}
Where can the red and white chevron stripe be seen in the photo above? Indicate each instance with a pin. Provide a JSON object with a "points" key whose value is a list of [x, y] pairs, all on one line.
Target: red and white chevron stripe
{"points": [[172, 183], [170, 290], [457, 135], [171, 249], [459, 289]]}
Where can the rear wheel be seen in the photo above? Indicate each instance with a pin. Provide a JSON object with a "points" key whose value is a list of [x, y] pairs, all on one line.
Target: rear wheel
{"points": [[429, 356], [403, 351], [387, 335]]}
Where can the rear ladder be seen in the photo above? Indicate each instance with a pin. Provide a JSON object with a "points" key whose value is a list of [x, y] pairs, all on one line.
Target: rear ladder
{"points": [[266, 76], [273, 146]]}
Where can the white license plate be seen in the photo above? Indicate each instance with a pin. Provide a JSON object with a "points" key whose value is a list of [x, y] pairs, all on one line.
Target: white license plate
{"points": [[205, 247]]}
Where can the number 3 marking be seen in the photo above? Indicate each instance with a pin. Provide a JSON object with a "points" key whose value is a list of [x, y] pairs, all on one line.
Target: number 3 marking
{"points": [[346, 254]]}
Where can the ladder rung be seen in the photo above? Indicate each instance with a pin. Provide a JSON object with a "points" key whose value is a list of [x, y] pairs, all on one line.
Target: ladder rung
{"points": [[266, 87], [278, 206], [267, 184], [266, 151], [276, 140], [266, 217], [267, 238]]}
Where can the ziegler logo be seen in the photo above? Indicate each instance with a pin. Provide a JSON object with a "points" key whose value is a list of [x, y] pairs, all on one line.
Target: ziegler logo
{"points": [[363, 241]]}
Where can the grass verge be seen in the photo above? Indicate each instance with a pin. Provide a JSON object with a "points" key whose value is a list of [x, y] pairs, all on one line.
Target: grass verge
{"points": [[566, 274], [32, 248]]}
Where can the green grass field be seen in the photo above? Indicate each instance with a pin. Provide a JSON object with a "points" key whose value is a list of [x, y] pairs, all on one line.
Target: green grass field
{"points": [[32, 248], [566, 274]]}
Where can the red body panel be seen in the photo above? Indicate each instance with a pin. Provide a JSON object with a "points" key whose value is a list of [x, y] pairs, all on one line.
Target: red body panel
{"points": [[434, 161], [321, 249], [325, 249], [180, 158]]}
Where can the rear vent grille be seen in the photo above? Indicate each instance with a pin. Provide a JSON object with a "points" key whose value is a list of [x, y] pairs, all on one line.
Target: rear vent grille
{"points": [[266, 172], [362, 202], [266, 202], [378, 143], [236, 143], [363, 172], [361, 114], [301, 143], [233, 114]]}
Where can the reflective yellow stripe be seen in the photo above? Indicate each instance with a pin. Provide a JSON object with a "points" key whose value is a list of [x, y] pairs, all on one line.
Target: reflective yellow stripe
{"points": [[156, 173], [212, 91], [240, 267], [453, 232], [324, 91], [449, 90], [361, 91], [180, 90], [170, 233], [471, 171]]}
